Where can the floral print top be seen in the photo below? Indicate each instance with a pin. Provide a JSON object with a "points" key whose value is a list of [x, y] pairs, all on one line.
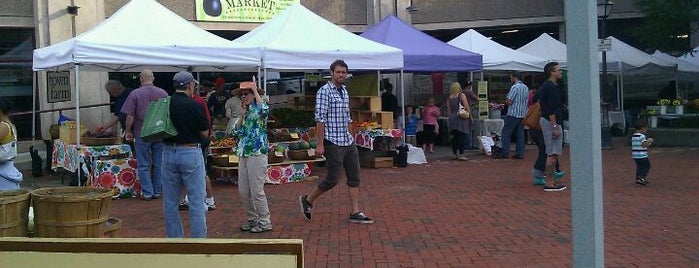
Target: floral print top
{"points": [[252, 134]]}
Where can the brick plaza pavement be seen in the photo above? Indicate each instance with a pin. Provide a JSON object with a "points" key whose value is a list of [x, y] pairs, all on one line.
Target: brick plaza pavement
{"points": [[479, 213]]}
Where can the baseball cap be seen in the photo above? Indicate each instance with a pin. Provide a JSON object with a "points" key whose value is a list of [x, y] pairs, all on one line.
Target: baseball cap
{"points": [[183, 78], [220, 81]]}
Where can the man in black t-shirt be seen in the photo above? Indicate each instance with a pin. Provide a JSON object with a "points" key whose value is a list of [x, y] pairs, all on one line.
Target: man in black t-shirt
{"points": [[183, 162]]}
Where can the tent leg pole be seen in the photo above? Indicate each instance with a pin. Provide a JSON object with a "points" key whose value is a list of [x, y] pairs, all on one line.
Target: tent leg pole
{"points": [[402, 102], [77, 116]]}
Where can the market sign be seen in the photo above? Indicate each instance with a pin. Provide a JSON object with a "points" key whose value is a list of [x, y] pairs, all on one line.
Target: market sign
{"points": [[240, 10], [58, 86]]}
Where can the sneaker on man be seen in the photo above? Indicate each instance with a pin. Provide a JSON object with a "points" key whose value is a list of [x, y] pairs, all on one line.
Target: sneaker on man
{"points": [[539, 181], [360, 217], [184, 205], [259, 228], [305, 207], [555, 188], [247, 226], [557, 175], [210, 204]]}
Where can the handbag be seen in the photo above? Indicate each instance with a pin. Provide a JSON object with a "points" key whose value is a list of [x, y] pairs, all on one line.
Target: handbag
{"points": [[463, 113], [157, 124], [8, 151], [531, 118]]}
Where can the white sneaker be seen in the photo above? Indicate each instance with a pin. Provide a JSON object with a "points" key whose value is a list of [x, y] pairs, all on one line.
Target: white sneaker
{"points": [[210, 204]]}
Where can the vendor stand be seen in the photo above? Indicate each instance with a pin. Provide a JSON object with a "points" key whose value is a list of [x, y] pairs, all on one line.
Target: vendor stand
{"points": [[107, 166], [287, 170]]}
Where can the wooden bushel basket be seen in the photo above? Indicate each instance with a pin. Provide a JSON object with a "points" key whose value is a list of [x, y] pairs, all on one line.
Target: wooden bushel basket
{"points": [[70, 212], [14, 213]]}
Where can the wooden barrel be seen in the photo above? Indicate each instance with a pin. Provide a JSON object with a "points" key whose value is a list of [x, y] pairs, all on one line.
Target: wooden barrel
{"points": [[70, 211], [14, 213]]}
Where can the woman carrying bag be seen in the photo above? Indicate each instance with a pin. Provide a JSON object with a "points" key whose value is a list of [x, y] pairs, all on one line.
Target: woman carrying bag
{"points": [[459, 121]]}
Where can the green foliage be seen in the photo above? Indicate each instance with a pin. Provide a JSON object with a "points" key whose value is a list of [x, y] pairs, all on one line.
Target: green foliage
{"points": [[290, 118], [665, 21]]}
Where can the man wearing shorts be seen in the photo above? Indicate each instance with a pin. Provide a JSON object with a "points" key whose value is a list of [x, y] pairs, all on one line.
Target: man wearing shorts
{"points": [[332, 117], [551, 113]]}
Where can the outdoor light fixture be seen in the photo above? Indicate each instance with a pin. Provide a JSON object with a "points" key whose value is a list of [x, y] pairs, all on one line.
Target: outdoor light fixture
{"points": [[73, 10], [604, 9], [510, 31], [412, 8]]}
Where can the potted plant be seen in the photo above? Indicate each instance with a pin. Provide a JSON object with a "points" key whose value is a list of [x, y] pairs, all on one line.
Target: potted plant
{"points": [[495, 110], [652, 116], [679, 105], [663, 105]]}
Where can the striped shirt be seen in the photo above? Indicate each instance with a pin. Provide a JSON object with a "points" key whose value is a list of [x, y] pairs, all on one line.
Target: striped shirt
{"points": [[519, 95], [637, 149], [332, 109]]}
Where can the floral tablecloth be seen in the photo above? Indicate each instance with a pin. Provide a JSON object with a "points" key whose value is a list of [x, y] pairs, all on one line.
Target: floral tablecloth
{"points": [[69, 156], [118, 175], [282, 174], [365, 138]]}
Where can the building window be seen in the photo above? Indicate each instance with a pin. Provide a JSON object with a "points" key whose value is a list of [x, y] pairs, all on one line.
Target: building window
{"points": [[16, 76]]}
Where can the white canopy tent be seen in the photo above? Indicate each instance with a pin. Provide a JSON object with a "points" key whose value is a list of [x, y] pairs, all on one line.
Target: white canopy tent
{"points": [[547, 47], [496, 56], [687, 75], [298, 39], [145, 34]]}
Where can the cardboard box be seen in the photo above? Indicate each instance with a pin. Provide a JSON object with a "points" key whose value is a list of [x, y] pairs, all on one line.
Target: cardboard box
{"points": [[382, 162], [67, 132]]}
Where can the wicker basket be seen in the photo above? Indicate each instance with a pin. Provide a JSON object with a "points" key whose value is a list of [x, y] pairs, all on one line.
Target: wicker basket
{"points": [[90, 141], [222, 161], [300, 155], [273, 159], [14, 210], [70, 211]]}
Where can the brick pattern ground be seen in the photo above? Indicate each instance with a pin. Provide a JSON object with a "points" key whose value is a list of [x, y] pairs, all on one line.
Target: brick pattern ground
{"points": [[479, 213]]}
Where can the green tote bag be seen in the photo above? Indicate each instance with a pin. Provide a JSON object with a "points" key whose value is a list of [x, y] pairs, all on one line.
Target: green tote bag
{"points": [[157, 124]]}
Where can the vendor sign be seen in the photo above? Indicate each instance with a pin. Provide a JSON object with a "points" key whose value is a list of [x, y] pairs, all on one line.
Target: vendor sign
{"points": [[58, 86], [240, 10]]}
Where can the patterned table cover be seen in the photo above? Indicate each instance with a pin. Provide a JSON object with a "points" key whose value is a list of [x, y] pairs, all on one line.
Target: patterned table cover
{"points": [[69, 156], [106, 166], [117, 174], [282, 174], [365, 137]]}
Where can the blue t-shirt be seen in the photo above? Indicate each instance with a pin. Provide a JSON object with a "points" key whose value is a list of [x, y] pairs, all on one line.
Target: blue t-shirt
{"points": [[118, 103], [411, 124]]}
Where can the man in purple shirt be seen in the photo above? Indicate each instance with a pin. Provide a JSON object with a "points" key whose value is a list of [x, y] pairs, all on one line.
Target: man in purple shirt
{"points": [[135, 109]]}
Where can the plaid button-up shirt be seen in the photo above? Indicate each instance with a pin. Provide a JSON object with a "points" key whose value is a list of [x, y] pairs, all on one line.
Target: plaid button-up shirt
{"points": [[332, 109]]}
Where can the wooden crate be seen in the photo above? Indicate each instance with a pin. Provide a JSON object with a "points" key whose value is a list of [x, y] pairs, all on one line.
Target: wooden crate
{"points": [[385, 119], [365, 103], [382, 162]]}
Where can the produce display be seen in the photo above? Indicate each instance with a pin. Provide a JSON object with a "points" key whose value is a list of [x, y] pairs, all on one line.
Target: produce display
{"points": [[224, 142], [366, 124]]}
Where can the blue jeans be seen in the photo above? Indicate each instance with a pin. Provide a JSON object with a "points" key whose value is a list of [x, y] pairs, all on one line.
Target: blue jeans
{"points": [[642, 167], [145, 152], [184, 166], [513, 125]]}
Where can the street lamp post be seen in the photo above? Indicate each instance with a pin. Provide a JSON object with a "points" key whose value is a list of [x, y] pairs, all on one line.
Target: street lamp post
{"points": [[604, 8]]}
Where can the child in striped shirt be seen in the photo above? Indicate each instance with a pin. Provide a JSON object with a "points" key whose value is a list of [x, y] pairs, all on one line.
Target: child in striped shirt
{"points": [[639, 152]]}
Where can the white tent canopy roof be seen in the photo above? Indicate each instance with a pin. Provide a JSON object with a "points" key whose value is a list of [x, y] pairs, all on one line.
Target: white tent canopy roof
{"points": [[298, 39], [548, 48], [631, 57], [145, 34], [496, 56], [682, 64]]}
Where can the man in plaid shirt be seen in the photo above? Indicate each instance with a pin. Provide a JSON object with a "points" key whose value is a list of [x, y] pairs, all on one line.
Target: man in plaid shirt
{"points": [[335, 141]]}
